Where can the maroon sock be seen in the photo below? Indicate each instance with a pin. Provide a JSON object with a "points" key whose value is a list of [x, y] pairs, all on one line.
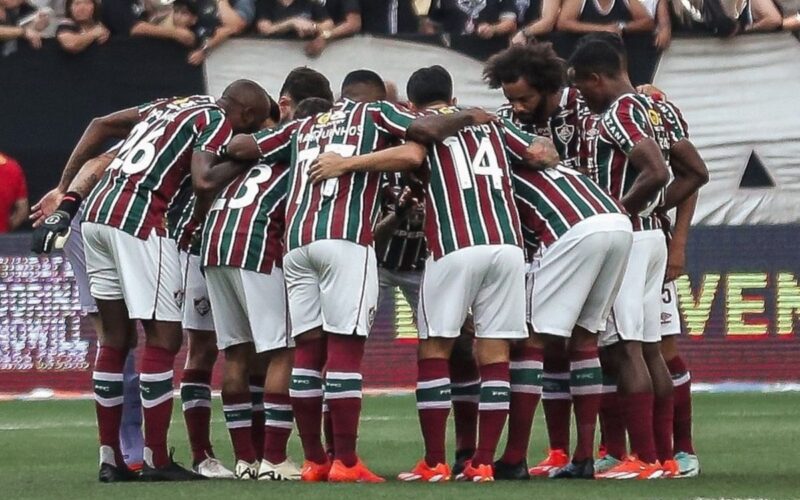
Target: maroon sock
{"points": [[525, 371], [493, 409], [107, 381], [277, 426], [196, 397], [612, 421], [257, 397], [305, 391], [156, 386], [638, 409], [343, 393], [238, 410], [433, 406], [682, 425], [465, 390], [663, 409], [327, 429], [586, 388], [556, 400]]}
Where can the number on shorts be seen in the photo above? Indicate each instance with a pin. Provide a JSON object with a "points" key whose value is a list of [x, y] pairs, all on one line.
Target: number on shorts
{"points": [[484, 163]]}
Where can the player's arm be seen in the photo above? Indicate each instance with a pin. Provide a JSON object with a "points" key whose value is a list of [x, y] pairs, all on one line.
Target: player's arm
{"points": [[401, 158], [653, 175], [387, 226], [114, 126], [690, 173], [274, 144], [436, 128], [529, 150], [209, 177], [676, 261]]}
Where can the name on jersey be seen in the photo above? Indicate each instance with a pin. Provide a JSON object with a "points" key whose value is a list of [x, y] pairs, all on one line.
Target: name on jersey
{"points": [[329, 131]]}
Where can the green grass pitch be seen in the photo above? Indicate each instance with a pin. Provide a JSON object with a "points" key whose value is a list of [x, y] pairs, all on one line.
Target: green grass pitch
{"points": [[749, 445]]}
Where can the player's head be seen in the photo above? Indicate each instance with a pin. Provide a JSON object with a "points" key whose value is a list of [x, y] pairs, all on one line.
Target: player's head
{"points": [[363, 85], [428, 86], [247, 105], [274, 117], [302, 83], [312, 106], [185, 13], [82, 11], [529, 75], [597, 68]]}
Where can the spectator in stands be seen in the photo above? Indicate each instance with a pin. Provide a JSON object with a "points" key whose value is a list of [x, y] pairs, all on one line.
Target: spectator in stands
{"points": [[389, 17], [82, 27], [346, 17], [19, 19], [658, 10], [484, 18], [13, 195], [537, 18], [614, 16], [765, 16], [305, 19], [234, 17], [126, 18]]}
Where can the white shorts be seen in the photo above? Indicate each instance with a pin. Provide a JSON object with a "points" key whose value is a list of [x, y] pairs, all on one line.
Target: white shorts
{"points": [[636, 314], [196, 305], [490, 279], [576, 279], [73, 251], [332, 284], [670, 314], [248, 307], [145, 273]]}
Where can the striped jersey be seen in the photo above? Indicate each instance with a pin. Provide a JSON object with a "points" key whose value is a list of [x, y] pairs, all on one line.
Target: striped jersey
{"points": [[469, 198], [563, 126], [245, 224], [406, 249], [552, 201], [630, 119], [345, 207], [152, 164], [180, 223]]}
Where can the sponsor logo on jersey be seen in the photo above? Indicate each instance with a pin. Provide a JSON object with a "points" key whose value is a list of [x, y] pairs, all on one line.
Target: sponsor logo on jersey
{"points": [[202, 306], [654, 117]]}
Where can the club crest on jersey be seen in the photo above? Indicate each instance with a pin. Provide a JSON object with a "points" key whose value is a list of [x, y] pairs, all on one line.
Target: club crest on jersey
{"points": [[202, 306], [565, 133]]}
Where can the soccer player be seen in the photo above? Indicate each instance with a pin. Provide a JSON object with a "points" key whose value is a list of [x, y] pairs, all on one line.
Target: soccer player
{"points": [[330, 265], [133, 267], [130, 434], [632, 149], [539, 102], [476, 261]]}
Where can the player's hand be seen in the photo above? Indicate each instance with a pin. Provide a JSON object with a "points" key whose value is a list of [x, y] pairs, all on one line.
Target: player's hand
{"points": [[676, 261], [46, 206], [480, 116], [33, 37], [542, 154], [406, 202], [44, 237], [327, 166], [315, 47], [196, 57], [663, 38], [485, 31], [650, 91]]}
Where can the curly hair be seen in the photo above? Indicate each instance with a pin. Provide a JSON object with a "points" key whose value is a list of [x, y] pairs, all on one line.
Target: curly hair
{"points": [[537, 63]]}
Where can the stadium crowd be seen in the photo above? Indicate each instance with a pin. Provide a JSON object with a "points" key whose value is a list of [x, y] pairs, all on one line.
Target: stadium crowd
{"points": [[202, 25]]}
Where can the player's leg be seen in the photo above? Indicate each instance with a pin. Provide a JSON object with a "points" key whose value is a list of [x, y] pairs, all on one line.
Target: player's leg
{"points": [[499, 311], [613, 440], [557, 405], [278, 419], [113, 344], [348, 282], [465, 389], [258, 377], [685, 456], [305, 388], [237, 406]]}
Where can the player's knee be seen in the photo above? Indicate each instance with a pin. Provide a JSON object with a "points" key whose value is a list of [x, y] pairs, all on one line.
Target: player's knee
{"points": [[651, 351], [436, 348], [669, 347], [202, 349]]}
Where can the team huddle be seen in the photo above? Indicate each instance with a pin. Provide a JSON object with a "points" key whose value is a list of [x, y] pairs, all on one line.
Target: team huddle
{"points": [[534, 246]]}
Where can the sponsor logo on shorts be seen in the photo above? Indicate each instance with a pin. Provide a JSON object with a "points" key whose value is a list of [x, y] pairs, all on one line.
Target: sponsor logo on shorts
{"points": [[202, 306], [179, 296], [371, 317], [666, 318]]}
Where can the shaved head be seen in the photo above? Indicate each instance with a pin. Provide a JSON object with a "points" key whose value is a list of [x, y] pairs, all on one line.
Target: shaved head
{"points": [[247, 105]]}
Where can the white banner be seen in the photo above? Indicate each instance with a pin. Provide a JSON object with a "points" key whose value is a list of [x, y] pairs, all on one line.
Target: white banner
{"points": [[739, 96]]}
